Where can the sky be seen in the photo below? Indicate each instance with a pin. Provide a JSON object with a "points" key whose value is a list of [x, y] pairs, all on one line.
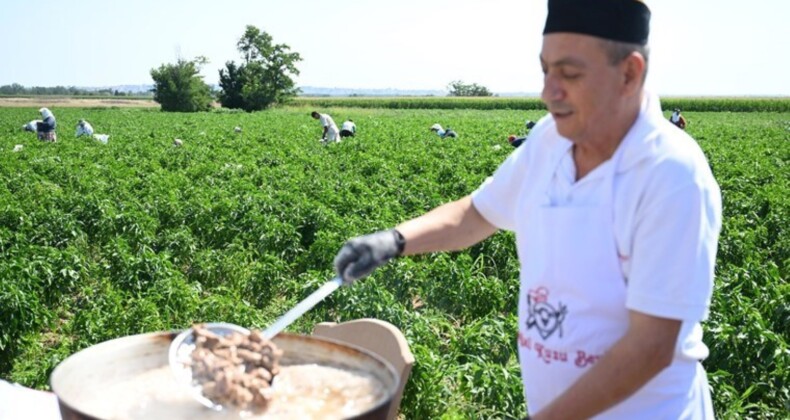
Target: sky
{"points": [[698, 47]]}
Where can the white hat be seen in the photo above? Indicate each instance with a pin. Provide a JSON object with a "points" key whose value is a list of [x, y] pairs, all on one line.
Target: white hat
{"points": [[436, 127], [46, 113]]}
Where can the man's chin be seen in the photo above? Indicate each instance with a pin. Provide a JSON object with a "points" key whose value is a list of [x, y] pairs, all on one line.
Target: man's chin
{"points": [[564, 128]]}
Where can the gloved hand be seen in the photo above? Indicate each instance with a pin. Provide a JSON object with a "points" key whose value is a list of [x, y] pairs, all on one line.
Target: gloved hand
{"points": [[361, 255]]}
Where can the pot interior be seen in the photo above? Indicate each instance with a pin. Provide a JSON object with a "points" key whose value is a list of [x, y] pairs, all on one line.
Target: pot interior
{"points": [[129, 378]]}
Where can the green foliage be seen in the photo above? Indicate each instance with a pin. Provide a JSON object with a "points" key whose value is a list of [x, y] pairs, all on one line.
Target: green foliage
{"points": [[781, 104], [264, 79], [530, 104], [480, 103], [180, 88], [459, 88], [102, 241], [231, 80]]}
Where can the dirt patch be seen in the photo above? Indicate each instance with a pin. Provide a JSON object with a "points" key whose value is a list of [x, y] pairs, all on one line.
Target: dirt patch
{"points": [[76, 102]]}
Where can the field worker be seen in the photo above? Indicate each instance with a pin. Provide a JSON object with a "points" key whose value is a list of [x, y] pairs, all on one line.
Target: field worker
{"points": [[616, 216], [517, 141], [331, 133], [442, 133], [32, 126], [84, 128], [348, 129], [46, 128], [678, 119]]}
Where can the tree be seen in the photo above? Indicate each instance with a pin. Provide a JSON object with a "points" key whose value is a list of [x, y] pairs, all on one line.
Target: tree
{"points": [[264, 77], [180, 88], [231, 83], [459, 88]]}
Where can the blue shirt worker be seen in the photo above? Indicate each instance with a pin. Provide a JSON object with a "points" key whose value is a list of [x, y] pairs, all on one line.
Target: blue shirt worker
{"points": [[442, 133], [32, 126], [517, 141], [46, 128], [84, 128]]}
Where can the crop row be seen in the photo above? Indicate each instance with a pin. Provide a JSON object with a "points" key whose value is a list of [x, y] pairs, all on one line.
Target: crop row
{"points": [[100, 241], [529, 104]]}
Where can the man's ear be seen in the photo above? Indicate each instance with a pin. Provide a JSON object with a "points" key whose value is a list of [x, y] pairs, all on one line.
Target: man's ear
{"points": [[633, 70]]}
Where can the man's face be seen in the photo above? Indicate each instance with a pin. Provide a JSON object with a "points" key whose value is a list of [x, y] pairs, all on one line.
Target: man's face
{"points": [[580, 88]]}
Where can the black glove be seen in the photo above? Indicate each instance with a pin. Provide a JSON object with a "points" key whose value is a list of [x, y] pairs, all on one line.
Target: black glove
{"points": [[361, 255]]}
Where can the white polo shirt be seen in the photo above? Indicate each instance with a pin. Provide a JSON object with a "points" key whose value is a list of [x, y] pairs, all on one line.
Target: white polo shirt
{"points": [[327, 121], [667, 214], [350, 126]]}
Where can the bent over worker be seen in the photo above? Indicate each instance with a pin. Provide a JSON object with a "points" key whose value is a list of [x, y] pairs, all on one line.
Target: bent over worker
{"points": [[348, 129], [45, 130], [678, 119], [442, 133], [84, 128], [330, 133], [616, 216], [31, 126]]}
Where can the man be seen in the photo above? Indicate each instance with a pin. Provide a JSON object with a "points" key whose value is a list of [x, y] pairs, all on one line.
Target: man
{"points": [[349, 129], [45, 130], [617, 217], [442, 133], [330, 133], [678, 119]]}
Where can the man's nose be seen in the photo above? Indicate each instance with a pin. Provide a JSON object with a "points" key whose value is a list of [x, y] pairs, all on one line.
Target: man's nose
{"points": [[552, 89]]}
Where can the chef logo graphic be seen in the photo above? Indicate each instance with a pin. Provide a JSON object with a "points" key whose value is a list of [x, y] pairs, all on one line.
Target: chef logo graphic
{"points": [[543, 316]]}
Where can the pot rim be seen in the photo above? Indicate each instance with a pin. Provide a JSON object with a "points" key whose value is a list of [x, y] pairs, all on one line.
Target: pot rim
{"points": [[168, 336]]}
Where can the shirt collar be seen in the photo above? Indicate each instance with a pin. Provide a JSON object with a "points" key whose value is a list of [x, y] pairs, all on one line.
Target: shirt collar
{"points": [[638, 141]]}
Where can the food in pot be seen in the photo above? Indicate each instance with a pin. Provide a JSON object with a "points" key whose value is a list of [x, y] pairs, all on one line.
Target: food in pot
{"points": [[301, 391], [235, 370]]}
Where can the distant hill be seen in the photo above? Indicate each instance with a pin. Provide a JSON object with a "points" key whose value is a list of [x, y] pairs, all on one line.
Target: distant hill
{"points": [[120, 88], [309, 91], [335, 91], [306, 91], [323, 91]]}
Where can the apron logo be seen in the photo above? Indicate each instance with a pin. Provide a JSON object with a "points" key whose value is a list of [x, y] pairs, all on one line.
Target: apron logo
{"points": [[543, 316]]}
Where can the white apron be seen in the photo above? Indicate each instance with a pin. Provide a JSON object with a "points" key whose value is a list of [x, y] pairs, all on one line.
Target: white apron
{"points": [[572, 305]]}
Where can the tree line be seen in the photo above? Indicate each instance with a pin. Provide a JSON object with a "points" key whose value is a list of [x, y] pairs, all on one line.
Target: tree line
{"points": [[262, 78], [15, 89]]}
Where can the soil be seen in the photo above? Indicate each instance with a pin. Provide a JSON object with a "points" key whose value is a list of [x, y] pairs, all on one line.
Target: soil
{"points": [[51, 102]]}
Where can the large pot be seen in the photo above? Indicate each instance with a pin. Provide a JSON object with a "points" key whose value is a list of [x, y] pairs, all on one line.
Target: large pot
{"points": [[88, 382]]}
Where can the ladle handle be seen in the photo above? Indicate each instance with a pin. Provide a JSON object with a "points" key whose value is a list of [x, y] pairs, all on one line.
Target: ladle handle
{"points": [[303, 306]]}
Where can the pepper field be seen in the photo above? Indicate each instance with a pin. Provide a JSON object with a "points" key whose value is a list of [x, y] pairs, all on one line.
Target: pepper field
{"points": [[101, 241]]}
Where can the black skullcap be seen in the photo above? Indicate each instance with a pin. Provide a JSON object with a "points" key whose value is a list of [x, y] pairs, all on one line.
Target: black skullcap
{"points": [[617, 20]]}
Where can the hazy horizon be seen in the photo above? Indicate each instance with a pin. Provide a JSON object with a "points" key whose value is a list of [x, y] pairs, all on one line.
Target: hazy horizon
{"points": [[701, 48]]}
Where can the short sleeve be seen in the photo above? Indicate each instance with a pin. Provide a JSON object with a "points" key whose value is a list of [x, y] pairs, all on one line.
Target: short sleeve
{"points": [[494, 198], [674, 247]]}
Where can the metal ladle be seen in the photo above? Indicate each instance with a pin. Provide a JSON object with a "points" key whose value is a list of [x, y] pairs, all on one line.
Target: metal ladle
{"points": [[180, 352]]}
